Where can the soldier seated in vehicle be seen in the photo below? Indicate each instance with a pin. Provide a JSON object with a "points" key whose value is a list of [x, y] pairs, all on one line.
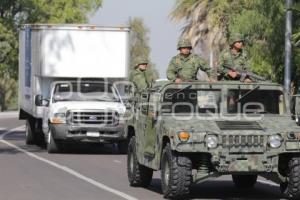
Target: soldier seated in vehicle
{"points": [[234, 58], [185, 65], [141, 76]]}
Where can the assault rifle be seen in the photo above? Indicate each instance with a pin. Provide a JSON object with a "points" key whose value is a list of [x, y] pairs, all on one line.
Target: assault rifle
{"points": [[243, 74]]}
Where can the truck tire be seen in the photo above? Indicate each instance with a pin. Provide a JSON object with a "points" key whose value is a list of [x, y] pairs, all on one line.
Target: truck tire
{"points": [[176, 174], [29, 134], [123, 146], [52, 144], [244, 181], [291, 189], [138, 175]]}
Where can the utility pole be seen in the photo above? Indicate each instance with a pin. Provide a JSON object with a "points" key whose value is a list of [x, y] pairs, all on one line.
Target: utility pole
{"points": [[288, 48]]}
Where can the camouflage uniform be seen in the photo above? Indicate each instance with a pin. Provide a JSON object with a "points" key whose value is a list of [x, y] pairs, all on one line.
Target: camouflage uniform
{"points": [[141, 79], [236, 61], [185, 68]]}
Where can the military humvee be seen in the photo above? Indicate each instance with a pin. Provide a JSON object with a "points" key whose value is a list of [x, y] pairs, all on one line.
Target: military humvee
{"points": [[194, 131]]}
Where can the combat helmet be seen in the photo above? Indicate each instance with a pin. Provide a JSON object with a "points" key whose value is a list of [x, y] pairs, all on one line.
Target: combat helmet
{"points": [[184, 43], [235, 37]]}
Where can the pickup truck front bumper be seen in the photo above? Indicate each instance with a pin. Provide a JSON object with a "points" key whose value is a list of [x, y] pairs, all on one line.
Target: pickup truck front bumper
{"points": [[81, 133]]}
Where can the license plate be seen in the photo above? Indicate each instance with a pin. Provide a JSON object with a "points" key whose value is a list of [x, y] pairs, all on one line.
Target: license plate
{"points": [[92, 134]]}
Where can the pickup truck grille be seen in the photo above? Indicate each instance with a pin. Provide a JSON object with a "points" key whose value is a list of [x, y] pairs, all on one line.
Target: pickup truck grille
{"points": [[238, 141], [94, 118]]}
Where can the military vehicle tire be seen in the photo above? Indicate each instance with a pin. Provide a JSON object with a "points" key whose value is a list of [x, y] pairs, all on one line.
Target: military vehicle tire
{"points": [[244, 181], [291, 189], [29, 134], [52, 144], [123, 146], [138, 175], [176, 174]]}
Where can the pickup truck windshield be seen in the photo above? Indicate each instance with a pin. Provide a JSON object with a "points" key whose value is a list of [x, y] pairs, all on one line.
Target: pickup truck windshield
{"points": [[191, 101], [85, 92], [255, 101]]}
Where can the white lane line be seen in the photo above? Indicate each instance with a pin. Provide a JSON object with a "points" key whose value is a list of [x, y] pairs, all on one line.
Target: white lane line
{"points": [[65, 168], [117, 161], [268, 183]]}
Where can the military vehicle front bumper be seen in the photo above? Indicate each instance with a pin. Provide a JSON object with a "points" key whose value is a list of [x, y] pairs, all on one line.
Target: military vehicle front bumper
{"points": [[227, 158], [71, 133]]}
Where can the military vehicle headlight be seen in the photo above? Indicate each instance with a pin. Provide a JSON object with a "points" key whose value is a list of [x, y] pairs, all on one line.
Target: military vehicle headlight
{"points": [[275, 141], [184, 136], [211, 141]]}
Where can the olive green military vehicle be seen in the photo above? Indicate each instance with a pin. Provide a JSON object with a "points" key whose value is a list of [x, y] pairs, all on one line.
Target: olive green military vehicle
{"points": [[296, 108], [195, 131]]}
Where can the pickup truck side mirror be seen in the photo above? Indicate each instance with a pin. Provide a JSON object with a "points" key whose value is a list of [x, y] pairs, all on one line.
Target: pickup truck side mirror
{"points": [[39, 101]]}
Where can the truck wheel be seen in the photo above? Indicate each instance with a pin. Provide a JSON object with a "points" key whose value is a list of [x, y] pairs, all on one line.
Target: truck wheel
{"points": [[138, 175], [52, 145], [29, 135], [244, 181], [123, 146], [176, 174], [291, 189]]}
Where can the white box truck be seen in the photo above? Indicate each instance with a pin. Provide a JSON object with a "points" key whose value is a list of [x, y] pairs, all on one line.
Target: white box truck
{"points": [[66, 84]]}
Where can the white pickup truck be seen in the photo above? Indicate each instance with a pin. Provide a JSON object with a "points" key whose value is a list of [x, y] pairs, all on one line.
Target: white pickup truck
{"points": [[68, 84]]}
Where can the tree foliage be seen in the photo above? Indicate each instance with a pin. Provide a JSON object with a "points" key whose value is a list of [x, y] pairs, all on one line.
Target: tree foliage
{"points": [[13, 13], [139, 43], [262, 22]]}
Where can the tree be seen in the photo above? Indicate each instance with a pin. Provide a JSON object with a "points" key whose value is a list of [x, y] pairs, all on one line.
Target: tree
{"points": [[209, 23], [139, 47], [13, 13]]}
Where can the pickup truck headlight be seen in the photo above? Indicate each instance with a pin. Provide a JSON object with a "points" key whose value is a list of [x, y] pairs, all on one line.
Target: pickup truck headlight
{"points": [[211, 141], [275, 141], [58, 118]]}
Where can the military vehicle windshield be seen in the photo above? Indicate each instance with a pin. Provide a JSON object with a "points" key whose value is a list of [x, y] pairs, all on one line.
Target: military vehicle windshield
{"points": [[191, 101], [255, 101], [92, 91]]}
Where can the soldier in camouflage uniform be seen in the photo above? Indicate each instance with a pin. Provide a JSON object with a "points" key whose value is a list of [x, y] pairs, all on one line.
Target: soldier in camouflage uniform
{"points": [[185, 65], [141, 76], [234, 57]]}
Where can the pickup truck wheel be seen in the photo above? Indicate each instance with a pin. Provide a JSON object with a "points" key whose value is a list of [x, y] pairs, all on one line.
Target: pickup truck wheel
{"points": [[244, 181], [123, 146], [29, 135], [176, 174], [138, 175], [52, 145], [291, 189]]}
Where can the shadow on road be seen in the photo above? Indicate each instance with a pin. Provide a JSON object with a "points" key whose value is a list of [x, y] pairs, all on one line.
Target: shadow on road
{"points": [[18, 139], [221, 189]]}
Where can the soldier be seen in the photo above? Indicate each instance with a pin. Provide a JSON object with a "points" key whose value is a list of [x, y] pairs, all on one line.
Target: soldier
{"points": [[141, 76], [185, 65], [234, 58]]}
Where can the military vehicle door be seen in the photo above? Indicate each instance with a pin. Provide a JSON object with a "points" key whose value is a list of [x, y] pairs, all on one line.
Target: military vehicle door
{"points": [[151, 126], [141, 118]]}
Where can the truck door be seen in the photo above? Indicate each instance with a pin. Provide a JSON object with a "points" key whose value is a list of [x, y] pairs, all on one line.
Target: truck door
{"points": [[151, 126]]}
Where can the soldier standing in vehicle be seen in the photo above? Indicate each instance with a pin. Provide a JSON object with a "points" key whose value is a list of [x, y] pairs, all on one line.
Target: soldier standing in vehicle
{"points": [[185, 65], [141, 76], [235, 57]]}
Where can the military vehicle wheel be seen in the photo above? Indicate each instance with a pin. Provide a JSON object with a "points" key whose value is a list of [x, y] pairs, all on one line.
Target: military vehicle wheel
{"points": [[138, 175], [244, 181], [123, 146], [29, 134], [176, 174], [291, 189], [52, 145]]}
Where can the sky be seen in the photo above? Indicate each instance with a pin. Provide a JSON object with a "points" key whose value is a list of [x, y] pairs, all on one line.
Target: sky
{"points": [[163, 35]]}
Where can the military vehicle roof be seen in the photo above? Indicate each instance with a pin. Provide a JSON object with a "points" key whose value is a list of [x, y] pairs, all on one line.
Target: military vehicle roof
{"points": [[162, 83]]}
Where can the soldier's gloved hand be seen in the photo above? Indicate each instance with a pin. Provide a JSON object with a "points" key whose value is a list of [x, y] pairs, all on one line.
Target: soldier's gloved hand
{"points": [[232, 74], [178, 80]]}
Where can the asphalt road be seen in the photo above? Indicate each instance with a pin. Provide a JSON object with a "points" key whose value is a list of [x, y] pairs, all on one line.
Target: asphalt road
{"points": [[85, 173]]}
